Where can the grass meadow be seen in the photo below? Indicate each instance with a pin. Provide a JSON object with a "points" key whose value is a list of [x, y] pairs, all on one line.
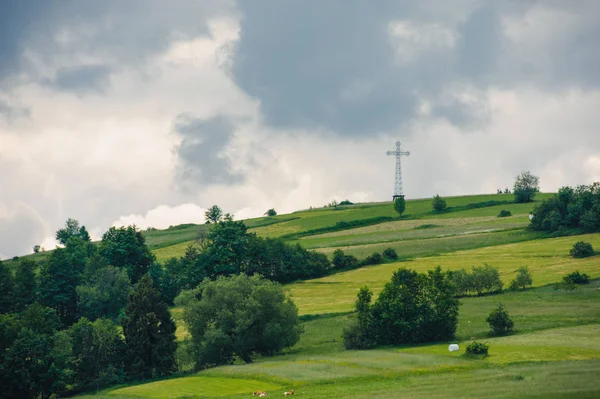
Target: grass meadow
{"points": [[554, 352]]}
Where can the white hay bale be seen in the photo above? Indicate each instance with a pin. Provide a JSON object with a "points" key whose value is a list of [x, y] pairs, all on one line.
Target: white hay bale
{"points": [[453, 347]]}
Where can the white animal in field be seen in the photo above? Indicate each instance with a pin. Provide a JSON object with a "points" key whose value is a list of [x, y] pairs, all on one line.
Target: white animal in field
{"points": [[260, 394], [290, 393]]}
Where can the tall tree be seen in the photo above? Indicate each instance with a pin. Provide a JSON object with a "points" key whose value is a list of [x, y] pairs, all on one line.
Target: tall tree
{"points": [[7, 287], [526, 186], [126, 247], [58, 281], [105, 295], [72, 229], [214, 214], [97, 353], [149, 333], [25, 284], [38, 359]]}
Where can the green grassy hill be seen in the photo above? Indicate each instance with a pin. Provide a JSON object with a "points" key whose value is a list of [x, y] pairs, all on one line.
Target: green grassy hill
{"points": [[555, 352]]}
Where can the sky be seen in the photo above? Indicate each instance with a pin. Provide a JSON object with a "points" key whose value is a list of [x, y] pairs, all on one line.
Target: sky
{"points": [[147, 112]]}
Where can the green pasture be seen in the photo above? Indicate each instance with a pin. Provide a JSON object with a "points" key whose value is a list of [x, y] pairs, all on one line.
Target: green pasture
{"points": [[555, 352], [193, 386], [547, 260], [402, 231]]}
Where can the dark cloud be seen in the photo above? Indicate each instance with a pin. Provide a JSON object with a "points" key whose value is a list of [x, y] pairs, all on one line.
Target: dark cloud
{"points": [[118, 32], [334, 65], [200, 154], [82, 80]]}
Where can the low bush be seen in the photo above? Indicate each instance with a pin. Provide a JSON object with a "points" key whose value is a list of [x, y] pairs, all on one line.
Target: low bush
{"points": [[374, 259], [477, 349], [342, 261], [346, 202], [577, 278], [581, 249], [439, 204], [390, 253], [504, 213], [500, 322]]}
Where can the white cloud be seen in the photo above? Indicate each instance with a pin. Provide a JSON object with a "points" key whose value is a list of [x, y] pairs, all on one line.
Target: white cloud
{"points": [[164, 216]]}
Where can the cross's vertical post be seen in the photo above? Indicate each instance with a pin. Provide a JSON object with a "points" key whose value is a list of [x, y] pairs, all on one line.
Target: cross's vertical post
{"points": [[398, 190]]}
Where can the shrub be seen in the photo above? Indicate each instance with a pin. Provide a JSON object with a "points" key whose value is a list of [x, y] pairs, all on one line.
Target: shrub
{"points": [[477, 348], [346, 202], [374, 259], [342, 261], [577, 278], [522, 280], [390, 253], [438, 203], [271, 212], [499, 321], [400, 205], [504, 213], [581, 250]]}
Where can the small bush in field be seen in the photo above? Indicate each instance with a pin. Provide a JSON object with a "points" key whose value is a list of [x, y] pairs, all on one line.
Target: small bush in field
{"points": [[581, 250], [390, 253], [504, 213], [374, 259], [577, 278], [477, 349]]}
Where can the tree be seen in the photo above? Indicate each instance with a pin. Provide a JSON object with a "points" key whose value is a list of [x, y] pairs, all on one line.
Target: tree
{"points": [[522, 280], [271, 212], [214, 214], [415, 307], [499, 321], [358, 335], [36, 249], [438, 203], [25, 284], [126, 247], [525, 187], [164, 282], [97, 353], [238, 316], [7, 287], [105, 294], [400, 205], [149, 333], [72, 229], [58, 280], [36, 361], [227, 250]]}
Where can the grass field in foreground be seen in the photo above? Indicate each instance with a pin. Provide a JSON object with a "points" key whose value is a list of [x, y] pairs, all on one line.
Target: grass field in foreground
{"points": [[554, 353], [548, 260]]}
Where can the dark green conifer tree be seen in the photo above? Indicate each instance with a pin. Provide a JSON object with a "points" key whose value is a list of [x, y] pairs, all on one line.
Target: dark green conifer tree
{"points": [[149, 333]]}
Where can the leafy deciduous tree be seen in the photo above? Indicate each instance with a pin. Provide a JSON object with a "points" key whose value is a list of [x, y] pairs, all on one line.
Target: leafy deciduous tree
{"points": [[7, 287], [238, 316], [438, 203], [526, 187], [25, 284], [214, 214], [126, 247]]}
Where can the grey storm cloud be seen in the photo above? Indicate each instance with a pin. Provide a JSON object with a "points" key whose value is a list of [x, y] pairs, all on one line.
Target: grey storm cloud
{"points": [[83, 79], [200, 154], [332, 64], [117, 32]]}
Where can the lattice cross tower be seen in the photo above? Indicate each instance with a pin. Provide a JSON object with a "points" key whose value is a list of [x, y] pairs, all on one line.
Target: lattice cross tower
{"points": [[398, 191]]}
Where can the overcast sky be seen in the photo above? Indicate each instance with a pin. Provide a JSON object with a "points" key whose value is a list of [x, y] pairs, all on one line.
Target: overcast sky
{"points": [[148, 111]]}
